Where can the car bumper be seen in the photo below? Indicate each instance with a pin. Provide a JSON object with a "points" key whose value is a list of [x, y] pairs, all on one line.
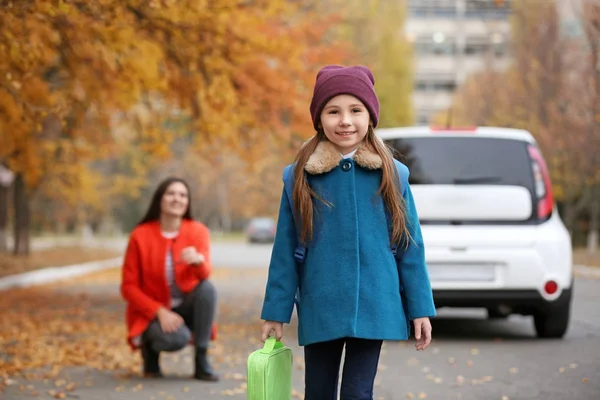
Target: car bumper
{"points": [[518, 301]]}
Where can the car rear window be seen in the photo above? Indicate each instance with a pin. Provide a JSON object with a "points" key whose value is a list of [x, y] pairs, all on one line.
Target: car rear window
{"points": [[458, 160]]}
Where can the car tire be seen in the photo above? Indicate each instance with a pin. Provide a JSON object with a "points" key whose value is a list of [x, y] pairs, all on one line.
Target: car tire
{"points": [[553, 322]]}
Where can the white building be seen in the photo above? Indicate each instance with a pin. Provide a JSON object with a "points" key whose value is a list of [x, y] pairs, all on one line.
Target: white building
{"points": [[452, 39]]}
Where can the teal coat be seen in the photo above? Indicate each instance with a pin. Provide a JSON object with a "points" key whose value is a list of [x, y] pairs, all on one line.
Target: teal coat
{"points": [[351, 285]]}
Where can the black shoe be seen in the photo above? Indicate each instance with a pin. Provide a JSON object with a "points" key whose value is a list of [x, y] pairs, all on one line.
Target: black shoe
{"points": [[151, 365], [204, 372]]}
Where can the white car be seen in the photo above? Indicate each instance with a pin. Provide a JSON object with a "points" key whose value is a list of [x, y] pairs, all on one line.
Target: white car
{"points": [[493, 236]]}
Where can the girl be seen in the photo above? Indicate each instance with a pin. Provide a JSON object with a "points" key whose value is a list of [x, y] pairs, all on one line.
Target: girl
{"points": [[356, 280], [165, 281]]}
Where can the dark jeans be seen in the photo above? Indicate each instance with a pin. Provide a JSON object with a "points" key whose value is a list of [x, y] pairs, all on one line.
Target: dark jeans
{"points": [[322, 362], [198, 311]]}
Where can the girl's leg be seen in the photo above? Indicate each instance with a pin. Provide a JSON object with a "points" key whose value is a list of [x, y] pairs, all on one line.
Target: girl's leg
{"points": [[322, 366], [360, 368]]}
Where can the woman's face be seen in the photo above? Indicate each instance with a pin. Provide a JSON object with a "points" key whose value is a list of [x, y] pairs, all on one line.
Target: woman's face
{"points": [[175, 200], [345, 121]]}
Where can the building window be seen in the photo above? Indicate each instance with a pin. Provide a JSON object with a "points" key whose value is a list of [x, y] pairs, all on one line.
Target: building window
{"points": [[430, 86], [496, 44], [432, 8], [435, 44], [487, 9]]}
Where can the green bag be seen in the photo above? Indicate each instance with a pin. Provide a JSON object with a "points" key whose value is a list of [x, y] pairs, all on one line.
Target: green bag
{"points": [[269, 372]]}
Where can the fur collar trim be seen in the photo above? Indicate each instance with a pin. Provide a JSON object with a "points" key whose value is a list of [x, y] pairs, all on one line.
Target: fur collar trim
{"points": [[326, 157]]}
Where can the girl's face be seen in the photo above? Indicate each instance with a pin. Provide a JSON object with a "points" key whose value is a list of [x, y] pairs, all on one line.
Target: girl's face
{"points": [[345, 121], [175, 201]]}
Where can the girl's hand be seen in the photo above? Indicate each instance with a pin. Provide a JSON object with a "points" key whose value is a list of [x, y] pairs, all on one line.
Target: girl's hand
{"points": [[422, 333], [270, 326]]}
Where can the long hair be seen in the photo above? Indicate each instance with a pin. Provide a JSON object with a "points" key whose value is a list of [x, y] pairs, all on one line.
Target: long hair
{"points": [[153, 213], [389, 189]]}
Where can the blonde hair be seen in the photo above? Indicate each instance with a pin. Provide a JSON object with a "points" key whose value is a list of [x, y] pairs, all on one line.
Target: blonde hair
{"points": [[389, 189]]}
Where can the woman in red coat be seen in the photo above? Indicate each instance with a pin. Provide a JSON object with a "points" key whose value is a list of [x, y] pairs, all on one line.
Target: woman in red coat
{"points": [[165, 281]]}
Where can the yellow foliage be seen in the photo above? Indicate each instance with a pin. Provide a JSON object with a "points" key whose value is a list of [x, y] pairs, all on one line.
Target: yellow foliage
{"points": [[68, 68]]}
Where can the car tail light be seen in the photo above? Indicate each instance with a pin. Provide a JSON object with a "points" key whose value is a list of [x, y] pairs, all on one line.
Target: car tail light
{"points": [[551, 287], [543, 186]]}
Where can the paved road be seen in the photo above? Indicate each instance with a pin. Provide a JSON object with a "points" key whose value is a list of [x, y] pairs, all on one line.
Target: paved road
{"points": [[231, 254], [471, 358]]}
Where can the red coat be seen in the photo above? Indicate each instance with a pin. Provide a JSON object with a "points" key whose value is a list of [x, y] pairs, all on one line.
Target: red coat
{"points": [[144, 285]]}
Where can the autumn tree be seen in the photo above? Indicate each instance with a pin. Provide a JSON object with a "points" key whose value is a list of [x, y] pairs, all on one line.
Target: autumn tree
{"points": [[590, 17], [240, 72]]}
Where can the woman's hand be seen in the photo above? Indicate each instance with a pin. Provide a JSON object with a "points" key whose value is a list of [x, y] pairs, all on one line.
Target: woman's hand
{"points": [[169, 321], [272, 326], [191, 256], [422, 333]]}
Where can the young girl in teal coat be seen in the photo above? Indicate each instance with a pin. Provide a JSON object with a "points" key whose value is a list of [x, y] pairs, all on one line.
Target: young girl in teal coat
{"points": [[348, 249]]}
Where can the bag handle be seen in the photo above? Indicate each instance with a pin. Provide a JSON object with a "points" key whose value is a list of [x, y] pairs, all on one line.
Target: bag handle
{"points": [[271, 344]]}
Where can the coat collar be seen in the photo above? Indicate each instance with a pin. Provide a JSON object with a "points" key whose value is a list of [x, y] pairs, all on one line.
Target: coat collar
{"points": [[326, 157]]}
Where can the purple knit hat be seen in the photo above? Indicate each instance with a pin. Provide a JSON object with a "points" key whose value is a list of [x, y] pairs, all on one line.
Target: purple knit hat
{"points": [[333, 80]]}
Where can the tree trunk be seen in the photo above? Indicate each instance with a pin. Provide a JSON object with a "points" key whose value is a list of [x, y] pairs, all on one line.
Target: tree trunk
{"points": [[22, 216], [592, 242], [3, 218]]}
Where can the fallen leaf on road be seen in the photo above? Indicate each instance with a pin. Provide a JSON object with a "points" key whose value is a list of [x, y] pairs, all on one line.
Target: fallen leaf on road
{"points": [[422, 395], [513, 370], [412, 361], [137, 388], [474, 352], [585, 380]]}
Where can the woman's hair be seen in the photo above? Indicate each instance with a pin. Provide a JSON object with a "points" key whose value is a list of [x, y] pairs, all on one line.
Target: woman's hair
{"points": [[390, 187], [154, 210]]}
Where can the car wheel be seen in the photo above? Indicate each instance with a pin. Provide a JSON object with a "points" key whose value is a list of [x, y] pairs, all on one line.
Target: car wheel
{"points": [[553, 322]]}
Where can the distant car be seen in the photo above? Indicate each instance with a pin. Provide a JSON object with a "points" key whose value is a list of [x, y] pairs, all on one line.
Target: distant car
{"points": [[493, 237], [261, 230]]}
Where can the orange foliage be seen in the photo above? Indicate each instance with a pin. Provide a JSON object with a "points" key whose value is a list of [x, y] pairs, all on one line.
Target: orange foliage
{"points": [[68, 68]]}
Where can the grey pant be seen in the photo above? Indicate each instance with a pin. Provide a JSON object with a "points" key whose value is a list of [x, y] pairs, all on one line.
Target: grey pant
{"points": [[198, 312]]}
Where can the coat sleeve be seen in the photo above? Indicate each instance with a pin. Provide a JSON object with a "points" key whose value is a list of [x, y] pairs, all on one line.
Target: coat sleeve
{"points": [[202, 244], [131, 282], [282, 281], [412, 267]]}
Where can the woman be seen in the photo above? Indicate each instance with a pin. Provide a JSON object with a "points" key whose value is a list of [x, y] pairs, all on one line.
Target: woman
{"points": [[165, 281]]}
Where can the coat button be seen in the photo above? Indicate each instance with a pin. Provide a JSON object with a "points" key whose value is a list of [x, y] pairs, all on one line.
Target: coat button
{"points": [[346, 165]]}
